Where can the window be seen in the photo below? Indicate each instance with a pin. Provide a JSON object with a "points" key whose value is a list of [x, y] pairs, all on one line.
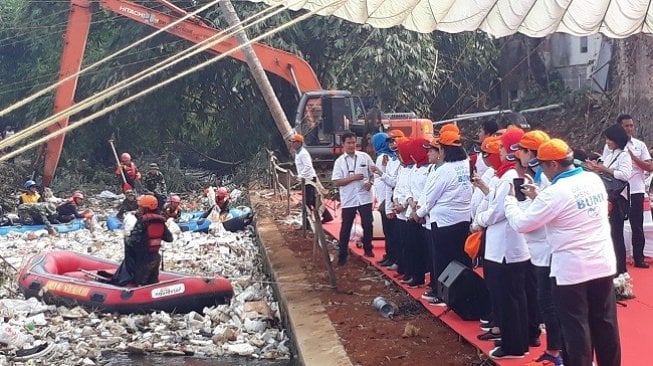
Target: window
{"points": [[583, 44]]}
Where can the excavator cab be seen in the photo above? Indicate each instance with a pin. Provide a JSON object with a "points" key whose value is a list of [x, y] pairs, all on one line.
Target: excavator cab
{"points": [[323, 115]]}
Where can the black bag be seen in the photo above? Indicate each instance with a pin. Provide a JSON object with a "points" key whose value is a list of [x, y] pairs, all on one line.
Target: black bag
{"points": [[613, 186]]}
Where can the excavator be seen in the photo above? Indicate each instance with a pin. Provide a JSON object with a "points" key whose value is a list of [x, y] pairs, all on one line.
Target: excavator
{"points": [[322, 115]]}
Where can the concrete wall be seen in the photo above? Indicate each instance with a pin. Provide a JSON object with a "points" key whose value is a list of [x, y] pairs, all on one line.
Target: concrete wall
{"points": [[575, 65]]}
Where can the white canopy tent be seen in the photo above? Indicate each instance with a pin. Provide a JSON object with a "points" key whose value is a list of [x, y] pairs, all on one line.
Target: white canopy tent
{"points": [[499, 18]]}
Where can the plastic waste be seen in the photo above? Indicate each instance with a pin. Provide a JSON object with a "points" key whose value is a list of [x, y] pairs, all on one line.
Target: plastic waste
{"points": [[13, 337]]}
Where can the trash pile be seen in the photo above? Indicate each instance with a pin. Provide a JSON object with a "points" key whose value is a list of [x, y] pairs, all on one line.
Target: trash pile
{"points": [[249, 326]]}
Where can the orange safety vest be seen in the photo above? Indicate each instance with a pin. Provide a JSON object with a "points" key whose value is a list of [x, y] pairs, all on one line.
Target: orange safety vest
{"points": [[154, 228], [30, 198]]}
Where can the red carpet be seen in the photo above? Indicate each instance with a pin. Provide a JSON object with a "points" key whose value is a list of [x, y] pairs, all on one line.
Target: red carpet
{"points": [[635, 320]]}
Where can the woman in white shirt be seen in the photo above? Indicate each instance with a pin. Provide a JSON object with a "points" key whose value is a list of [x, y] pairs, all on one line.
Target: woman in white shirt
{"points": [[616, 163]]}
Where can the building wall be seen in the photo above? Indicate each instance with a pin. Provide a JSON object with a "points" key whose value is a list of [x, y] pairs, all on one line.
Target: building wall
{"points": [[574, 58]]}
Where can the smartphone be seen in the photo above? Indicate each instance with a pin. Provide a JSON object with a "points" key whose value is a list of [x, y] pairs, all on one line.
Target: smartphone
{"points": [[517, 183]]}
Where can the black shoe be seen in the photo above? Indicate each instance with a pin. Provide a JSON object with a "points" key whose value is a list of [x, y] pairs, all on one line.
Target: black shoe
{"points": [[415, 283], [383, 262], [498, 343], [406, 279], [369, 253], [641, 264], [488, 336], [535, 342], [342, 261], [499, 353], [487, 326]]}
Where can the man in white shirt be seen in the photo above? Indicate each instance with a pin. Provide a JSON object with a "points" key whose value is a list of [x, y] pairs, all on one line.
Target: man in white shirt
{"points": [[574, 211], [353, 176], [641, 163], [488, 128], [305, 170]]}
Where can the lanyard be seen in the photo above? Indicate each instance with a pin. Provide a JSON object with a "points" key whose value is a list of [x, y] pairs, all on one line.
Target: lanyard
{"points": [[351, 171]]}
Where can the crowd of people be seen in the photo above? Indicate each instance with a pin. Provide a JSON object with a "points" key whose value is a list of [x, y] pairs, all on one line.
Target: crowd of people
{"points": [[550, 218]]}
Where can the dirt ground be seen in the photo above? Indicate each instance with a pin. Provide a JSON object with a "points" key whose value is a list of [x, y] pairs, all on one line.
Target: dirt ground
{"points": [[369, 338]]}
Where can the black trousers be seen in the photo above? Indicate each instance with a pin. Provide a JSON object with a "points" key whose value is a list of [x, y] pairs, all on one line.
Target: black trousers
{"points": [[348, 216], [416, 251], [548, 309], [617, 215], [636, 218], [387, 232], [311, 202], [510, 308], [534, 312], [448, 245], [588, 316], [400, 241]]}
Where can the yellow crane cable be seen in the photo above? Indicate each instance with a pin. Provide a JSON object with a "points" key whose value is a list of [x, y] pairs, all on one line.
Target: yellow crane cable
{"points": [[96, 64], [116, 88], [163, 83]]}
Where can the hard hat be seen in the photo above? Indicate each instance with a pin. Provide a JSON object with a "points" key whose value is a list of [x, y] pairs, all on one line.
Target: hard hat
{"points": [[78, 195], [222, 192], [125, 157], [29, 183], [148, 201], [175, 198]]}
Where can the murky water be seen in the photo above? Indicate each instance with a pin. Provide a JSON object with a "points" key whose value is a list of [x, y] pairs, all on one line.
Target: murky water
{"points": [[130, 360]]}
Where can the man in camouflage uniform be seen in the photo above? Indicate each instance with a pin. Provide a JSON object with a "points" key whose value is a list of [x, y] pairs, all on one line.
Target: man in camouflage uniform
{"points": [[129, 204], [40, 213], [155, 184]]}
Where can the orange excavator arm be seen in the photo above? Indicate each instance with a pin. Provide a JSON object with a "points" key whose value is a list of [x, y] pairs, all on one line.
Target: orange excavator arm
{"points": [[290, 67]]}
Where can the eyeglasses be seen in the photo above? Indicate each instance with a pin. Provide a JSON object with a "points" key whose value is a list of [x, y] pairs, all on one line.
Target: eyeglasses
{"points": [[484, 154]]}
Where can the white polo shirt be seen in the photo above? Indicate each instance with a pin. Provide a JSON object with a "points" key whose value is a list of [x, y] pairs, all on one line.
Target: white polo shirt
{"points": [[390, 180], [353, 194], [417, 180], [640, 150], [447, 194], [502, 242], [574, 211], [380, 186], [304, 164], [402, 189], [622, 165], [536, 240]]}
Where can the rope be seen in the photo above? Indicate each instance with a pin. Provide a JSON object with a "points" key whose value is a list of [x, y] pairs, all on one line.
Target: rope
{"points": [[46, 90], [163, 83], [115, 89]]}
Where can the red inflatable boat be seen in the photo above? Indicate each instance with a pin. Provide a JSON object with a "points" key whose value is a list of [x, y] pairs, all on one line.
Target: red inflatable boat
{"points": [[69, 278]]}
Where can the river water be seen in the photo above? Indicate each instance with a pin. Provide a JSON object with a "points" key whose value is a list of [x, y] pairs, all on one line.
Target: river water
{"points": [[150, 360]]}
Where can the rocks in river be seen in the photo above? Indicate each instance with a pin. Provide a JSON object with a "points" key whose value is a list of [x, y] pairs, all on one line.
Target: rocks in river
{"points": [[249, 326]]}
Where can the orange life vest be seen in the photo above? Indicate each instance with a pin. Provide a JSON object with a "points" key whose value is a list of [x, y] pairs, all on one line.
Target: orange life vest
{"points": [[154, 228]]}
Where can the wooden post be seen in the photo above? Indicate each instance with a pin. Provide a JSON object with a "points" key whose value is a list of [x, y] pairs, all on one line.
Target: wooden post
{"points": [[319, 232], [304, 213]]}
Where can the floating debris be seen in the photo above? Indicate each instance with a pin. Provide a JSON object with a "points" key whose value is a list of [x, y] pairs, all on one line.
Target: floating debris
{"points": [[249, 326]]}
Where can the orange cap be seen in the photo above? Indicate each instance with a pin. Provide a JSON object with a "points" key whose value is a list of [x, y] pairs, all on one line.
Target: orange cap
{"points": [[449, 127], [531, 140], [393, 134], [296, 138], [491, 145], [554, 149], [449, 138]]}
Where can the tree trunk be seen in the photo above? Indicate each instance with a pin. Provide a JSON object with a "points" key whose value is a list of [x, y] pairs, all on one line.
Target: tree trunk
{"points": [[257, 71]]}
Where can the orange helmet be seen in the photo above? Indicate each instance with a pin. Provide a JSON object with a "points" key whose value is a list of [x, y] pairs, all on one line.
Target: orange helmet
{"points": [[148, 201], [125, 157]]}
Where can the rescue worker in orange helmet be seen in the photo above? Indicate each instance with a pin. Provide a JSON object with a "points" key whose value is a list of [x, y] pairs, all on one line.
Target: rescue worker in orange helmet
{"points": [[129, 169], [142, 258], [68, 211], [172, 209]]}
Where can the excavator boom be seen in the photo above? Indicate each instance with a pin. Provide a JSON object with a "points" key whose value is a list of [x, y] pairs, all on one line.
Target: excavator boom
{"points": [[291, 68]]}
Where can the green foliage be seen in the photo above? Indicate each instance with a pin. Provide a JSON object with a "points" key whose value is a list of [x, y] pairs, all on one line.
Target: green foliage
{"points": [[218, 113]]}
